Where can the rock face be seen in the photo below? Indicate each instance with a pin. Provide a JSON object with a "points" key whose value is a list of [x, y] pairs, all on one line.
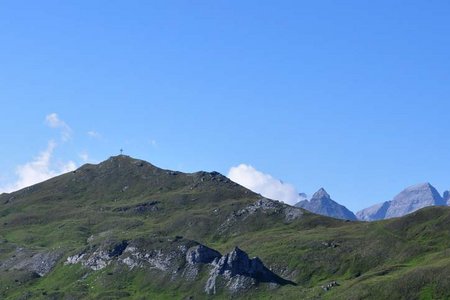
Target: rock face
{"points": [[446, 197], [409, 200], [39, 263], [373, 213], [322, 204], [201, 254], [262, 206], [238, 272], [181, 258], [412, 199]]}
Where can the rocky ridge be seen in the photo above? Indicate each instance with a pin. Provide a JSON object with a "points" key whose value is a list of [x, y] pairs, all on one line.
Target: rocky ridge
{"points": [[262, 206], [181, 258]]}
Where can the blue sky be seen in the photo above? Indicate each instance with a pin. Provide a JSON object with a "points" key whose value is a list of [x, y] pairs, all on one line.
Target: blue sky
{"points": [[350, 95]]}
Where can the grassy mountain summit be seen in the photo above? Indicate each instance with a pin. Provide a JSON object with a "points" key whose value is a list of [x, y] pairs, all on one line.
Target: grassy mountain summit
{"points": [[127, 229]]}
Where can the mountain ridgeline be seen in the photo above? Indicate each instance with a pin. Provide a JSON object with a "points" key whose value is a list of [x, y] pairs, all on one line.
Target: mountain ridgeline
{"points": [[125, 229], [409, 200], [322, 204]]}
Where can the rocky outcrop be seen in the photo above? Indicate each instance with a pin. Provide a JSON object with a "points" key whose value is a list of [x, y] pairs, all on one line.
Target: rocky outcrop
{"points": [[270, 206], [409, 200], [39, 263], [263, 206], [238, 272], [330, 285], [322, 204], [160, 254], [201, 254], [183, 258]]}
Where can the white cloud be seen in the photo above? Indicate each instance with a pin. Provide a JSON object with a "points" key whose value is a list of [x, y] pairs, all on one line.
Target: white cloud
{"points": [[94, 134], [53, 121], [264, 184], [41, 168], [84, 156]]}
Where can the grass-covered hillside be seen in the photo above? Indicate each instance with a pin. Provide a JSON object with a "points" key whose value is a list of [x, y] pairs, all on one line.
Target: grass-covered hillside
{"points": [[127, 229]]}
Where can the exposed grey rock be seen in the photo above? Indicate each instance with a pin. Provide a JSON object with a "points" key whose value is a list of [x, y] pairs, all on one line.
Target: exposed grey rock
{"points": [[264, 206], [201, 254], [330, 285], [37, 262], [181, 258], [292, 213], [97, 260], [237, 272], [446, 197], [373, 213], [322, 204], [175, 257], [271, 206], [71, 260], [331, 244], [413, 198], [409, 200]]}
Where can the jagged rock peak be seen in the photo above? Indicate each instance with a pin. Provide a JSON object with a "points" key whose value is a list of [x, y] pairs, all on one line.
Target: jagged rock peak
{"points": [[240, 272], [322, 204], [201, 254], [321, 194]]}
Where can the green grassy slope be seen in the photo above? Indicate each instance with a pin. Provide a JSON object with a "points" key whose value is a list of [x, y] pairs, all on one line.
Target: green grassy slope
{"points": [[124, 198]]}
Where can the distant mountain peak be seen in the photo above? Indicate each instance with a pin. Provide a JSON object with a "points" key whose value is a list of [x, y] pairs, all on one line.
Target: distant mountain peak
{"points": [[420, 186], [446, 197], [322, 204], [321, 194], [407, 201]]}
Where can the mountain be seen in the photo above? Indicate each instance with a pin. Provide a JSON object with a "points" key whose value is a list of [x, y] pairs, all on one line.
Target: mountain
{"points": [[446, 197], [374, 212], [409, 200], [126, 229], [322, 204]]}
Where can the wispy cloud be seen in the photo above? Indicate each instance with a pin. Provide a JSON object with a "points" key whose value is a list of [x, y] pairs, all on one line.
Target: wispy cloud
{"points": [[40, 168], [94, 134], [44, 165], [264, 184], [53, 121], [84, 156]]}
